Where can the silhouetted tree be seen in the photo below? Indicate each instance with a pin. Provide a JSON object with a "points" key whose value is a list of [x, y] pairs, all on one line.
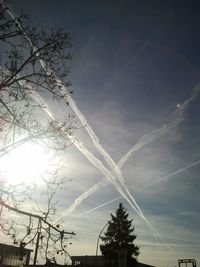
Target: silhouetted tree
{"points": [[40, 227], [32, 60], [34, 71], [118, 240]]}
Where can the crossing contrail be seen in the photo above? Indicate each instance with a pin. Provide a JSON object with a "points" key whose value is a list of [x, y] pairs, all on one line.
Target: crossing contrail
{"points": [[116, 179], [121, 188], [172, 121], [164, 178], [114, 175]]}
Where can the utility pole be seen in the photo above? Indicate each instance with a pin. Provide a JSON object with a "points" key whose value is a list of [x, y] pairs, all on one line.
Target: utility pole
{"points": [[36, 247], [40, 221]]}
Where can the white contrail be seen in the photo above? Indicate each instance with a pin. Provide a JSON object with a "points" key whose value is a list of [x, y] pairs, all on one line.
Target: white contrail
{"points": [[121, 188], [173, 120], [72, 104], [85, 195], [99, 206], [118, 180], [146, 139], [164, 178], [35, 96], [84, 122], [82, 119], [173, 173], [98, 164]]}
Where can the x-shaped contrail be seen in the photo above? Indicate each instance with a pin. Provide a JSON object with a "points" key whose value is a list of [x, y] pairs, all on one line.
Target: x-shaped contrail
{"points": [[174, 119], [113, 175]]}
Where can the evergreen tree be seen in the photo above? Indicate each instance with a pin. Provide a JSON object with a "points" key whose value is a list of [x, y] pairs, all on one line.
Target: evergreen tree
{"points": [[119, 238]]}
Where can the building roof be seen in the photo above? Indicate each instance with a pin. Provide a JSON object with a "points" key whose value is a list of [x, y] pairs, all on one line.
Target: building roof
{"points": [[2, 245], [99, 257]]}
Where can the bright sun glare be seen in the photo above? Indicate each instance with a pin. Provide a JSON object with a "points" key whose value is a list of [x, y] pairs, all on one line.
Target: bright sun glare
{"points": [[25, 163]]}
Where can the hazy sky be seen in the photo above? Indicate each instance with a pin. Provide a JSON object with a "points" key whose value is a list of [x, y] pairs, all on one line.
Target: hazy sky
{"points": [[134, 64]]}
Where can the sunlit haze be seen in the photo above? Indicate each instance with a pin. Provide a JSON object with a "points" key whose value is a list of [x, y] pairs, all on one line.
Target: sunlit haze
{"points": [[136, 102], [25, 163]]}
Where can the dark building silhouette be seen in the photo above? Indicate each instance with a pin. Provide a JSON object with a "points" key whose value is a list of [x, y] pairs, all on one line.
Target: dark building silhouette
{"points": [[95, 261], [87, 260], [14, 256]]}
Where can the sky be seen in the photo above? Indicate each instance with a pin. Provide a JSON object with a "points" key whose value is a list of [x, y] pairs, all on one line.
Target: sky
{"points": [[135, 66]]}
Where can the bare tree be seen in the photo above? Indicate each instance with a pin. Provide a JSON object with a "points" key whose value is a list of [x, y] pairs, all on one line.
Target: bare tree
{"points": [[38, 227], [25, 83], [31, 61]]}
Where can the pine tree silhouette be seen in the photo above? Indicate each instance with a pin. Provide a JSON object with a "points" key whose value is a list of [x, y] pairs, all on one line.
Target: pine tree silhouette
{"points": [[118, 240]]}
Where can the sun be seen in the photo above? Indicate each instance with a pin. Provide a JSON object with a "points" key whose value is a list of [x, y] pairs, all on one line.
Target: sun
{"points": [[26, 163]]}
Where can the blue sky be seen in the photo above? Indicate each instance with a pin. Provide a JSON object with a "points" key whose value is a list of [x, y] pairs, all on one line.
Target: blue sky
{"points": [[134, 63]]}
